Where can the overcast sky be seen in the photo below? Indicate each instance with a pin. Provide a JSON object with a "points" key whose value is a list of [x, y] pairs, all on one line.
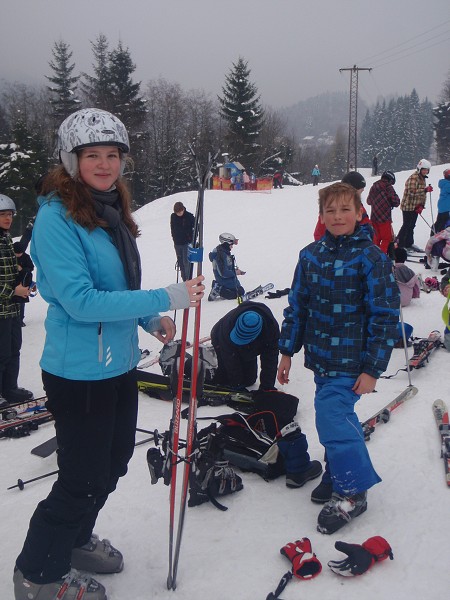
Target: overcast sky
{"points": [[294, 48]]}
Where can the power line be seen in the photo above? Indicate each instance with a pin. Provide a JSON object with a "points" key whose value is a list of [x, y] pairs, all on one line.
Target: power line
{"points": [[407, 55], [414, 38]]}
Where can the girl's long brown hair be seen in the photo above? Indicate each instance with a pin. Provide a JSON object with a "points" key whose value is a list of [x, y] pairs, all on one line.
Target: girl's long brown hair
{"points": [[78, 200]]}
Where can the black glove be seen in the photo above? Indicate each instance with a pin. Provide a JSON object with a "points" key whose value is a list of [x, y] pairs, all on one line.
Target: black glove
{"points": [[360, 558]]}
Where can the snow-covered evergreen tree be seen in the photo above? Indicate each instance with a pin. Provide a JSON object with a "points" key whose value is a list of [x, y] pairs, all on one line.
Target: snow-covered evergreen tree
{"points": [[243, 114], [97, 88], [64, 100]]}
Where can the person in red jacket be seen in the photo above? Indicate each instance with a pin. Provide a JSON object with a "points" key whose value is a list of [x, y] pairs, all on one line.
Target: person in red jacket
{"points": [[383, 198], [357, 181]]}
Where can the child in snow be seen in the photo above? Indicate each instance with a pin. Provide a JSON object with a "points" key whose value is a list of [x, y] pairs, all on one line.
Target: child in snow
{"points": [[315, 174], [439, 246], [383, 198], [226, 285], [407, 280], [443, 204], [343, 310]]}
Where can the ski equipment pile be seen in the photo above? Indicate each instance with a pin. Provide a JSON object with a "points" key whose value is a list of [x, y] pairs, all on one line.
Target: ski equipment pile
{"points": [[24, 424], [440, 412], [14, 409], [384, 414], [155, 359], [423, 349]]}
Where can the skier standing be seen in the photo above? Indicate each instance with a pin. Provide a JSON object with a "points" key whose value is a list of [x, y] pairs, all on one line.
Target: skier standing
{"points": [[88, 270], [182, 229], [346, 319], [443, 204], [315, 174], [383, 198], [413, 203]]}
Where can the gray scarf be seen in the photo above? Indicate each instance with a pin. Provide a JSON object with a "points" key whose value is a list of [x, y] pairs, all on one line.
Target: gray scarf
{"points": [[107, 207]]}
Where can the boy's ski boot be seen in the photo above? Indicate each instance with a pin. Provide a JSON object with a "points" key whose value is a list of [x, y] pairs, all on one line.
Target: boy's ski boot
{"points": [[97, 556], [340, 510]]}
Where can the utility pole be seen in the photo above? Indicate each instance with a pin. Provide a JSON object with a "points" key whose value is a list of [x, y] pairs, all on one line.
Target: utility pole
{"points": [[352, 153]]}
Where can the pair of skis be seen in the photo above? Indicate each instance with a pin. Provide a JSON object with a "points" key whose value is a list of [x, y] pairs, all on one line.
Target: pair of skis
{"points": [[195, 256]]}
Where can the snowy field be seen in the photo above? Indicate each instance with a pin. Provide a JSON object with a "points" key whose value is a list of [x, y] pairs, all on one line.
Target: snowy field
{"points": [[235, 555]]}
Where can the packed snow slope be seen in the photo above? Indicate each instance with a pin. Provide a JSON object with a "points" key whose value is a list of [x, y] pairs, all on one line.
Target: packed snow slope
{"points": [[234, 555]]}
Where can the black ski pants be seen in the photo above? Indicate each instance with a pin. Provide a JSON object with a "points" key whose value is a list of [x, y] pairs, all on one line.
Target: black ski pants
{"points": [[10, 345], [95, 424], [406, 233]]}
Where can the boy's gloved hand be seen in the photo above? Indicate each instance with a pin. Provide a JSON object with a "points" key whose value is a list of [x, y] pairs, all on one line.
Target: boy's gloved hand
{"points": [[360, 558], [419, 208], [429, 188], [305, 564]]}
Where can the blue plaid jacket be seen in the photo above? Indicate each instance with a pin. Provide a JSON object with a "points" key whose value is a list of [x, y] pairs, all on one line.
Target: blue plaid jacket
{"points": [[343, 307]]}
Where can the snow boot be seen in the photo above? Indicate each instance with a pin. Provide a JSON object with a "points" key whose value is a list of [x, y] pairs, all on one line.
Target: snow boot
{"points": [[71, 587], [297, 480], [340, 510], [18, 394], [215, 292], [97, 556], [293, 446], [3, 402], [322, 493]]}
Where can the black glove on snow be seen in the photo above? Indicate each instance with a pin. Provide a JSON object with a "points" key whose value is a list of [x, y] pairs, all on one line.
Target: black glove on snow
{"points": [[360, 558]]}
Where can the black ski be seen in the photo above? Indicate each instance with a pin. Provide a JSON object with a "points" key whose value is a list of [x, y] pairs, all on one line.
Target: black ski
{"points": [[258, 291], [46, 448]]}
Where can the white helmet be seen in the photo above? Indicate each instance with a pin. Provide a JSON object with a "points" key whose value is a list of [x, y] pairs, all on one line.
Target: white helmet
{"points": [[423, 164], [6, 203], [89, 127], [228, 238]]}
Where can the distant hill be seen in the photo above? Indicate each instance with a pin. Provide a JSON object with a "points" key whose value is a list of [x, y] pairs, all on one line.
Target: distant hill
{"points": [[320, 116]]}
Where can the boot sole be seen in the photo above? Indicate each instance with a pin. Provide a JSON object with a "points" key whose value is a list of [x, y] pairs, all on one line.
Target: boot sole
{"points": [[293, 485]]}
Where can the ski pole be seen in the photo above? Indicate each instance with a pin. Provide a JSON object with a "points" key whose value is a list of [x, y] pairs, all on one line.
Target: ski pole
{"points": [[432, 217], [21, 484], [177, 269], [430, 226]]}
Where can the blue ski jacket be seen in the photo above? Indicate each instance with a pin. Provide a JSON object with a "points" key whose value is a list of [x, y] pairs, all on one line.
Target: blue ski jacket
{"points": [[343, 307], [91, 330], [444, 196], [223, 266]]}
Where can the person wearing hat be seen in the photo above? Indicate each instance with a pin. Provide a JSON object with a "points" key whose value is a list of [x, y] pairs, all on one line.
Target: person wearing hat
{"points": [[383, 198], [226, 285], [10, 329], [26, 268], [241, 336], [357, 181], [182, 230], [315, 174]]}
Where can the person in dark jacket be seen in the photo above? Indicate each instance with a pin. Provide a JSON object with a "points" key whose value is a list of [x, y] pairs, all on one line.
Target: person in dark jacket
{"points": [[182, 229], [343, 310], [239, 338], [245, 333], [226, 285], [26, 268], [11, 293]]}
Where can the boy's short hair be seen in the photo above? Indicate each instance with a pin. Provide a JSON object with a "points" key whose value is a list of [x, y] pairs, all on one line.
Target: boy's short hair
{"points": [[178, 207], [336, 191]]}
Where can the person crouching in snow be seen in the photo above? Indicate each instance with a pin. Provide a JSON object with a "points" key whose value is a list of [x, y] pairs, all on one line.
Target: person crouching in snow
{"points": [[407, 280]]}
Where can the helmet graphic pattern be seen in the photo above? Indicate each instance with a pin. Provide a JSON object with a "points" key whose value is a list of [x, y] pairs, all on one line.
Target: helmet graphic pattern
{"points": [[92, 127], [390, 176], [423, 164]]}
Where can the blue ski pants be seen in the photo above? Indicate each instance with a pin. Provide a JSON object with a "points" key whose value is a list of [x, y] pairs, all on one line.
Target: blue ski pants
{"points": [[341, 434]]}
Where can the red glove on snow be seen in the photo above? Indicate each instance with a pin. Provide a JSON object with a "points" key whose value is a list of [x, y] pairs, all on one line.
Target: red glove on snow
{"points": [[360, 558], [305, 564], [429, 188], [419, 208]]}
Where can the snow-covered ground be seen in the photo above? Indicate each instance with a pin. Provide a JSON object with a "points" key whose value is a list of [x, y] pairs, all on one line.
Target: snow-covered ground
{"points": [[235, 555]]}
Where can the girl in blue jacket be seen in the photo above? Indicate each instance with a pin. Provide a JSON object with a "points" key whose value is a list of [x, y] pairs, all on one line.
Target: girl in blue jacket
{"points": [[88, 270]]}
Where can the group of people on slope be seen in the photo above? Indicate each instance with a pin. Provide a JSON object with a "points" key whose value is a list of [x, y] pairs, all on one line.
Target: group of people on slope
{"points": [[344, 319]]}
